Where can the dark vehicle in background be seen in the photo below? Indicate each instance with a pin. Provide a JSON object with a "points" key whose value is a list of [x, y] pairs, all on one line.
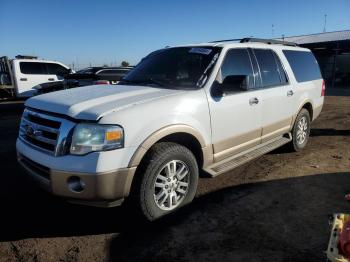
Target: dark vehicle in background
{"points": [[96, 76], [86, 77]]}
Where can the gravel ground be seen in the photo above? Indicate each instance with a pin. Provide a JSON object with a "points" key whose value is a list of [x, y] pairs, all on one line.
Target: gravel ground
{"points": [[273, 209]]}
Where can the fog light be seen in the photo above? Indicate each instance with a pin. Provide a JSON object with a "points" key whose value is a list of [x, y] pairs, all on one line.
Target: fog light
{"points": [[75, 184]]}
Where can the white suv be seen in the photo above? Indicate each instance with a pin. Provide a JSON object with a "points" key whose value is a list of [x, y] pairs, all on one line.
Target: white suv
{"points": [[209, 107]]}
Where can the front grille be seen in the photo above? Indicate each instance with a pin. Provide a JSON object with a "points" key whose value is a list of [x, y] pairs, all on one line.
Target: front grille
{"points": [[45, 132]]}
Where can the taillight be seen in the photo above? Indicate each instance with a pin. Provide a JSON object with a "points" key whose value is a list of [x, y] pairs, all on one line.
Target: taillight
{"points": [[101, 82], [323, 92]]}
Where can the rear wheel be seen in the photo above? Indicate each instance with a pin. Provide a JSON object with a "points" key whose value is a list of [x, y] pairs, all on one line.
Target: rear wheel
{"points": [[169, 178], [301, 130]]}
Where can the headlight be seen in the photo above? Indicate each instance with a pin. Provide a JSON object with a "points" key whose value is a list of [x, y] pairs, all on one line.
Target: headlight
{"points": [[94, 137]]}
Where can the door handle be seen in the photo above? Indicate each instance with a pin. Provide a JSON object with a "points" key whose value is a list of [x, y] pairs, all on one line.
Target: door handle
{"points": [[253, 101], [23, 79], [290, 93], [51, 79]]}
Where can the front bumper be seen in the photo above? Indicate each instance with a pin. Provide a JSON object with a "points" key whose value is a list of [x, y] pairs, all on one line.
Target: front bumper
{"points": [[98, 189]]}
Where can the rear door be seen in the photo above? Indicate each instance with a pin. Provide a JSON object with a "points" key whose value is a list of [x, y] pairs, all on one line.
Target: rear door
{"points": [[277, 95], [29, 74]]}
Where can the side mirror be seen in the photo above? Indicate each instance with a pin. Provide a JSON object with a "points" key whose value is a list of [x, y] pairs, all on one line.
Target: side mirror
{"points": [[233, 83]]}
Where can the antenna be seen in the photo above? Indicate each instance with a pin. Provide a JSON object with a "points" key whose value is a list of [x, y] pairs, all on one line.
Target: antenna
{"points": [[325, 23], [273, 30]]}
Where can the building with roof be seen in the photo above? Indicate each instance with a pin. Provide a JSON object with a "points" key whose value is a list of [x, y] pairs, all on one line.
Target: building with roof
{"points": [[332, 51]]}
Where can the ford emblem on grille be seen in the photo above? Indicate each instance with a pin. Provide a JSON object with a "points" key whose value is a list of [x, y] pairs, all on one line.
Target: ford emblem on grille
{"points": [[32, 131]]}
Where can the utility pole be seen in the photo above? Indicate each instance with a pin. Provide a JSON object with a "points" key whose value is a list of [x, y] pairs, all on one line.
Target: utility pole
{"points": [[325, 23]]}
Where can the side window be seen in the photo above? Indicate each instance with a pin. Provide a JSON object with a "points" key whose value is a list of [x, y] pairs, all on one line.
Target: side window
{"points": [[270, 75], [237, 63], [303, 64], [56, 69], [32, 68]]}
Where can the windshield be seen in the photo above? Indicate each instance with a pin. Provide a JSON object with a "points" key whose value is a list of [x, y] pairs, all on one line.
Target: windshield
{"points": [[179, 67]]}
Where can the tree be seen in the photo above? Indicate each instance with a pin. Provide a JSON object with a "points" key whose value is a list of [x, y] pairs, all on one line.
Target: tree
{"points": [[125, 63]]}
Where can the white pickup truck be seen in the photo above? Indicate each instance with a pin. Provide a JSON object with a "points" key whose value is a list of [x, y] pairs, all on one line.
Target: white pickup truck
{"points": [[180, 112], [20, 76]]}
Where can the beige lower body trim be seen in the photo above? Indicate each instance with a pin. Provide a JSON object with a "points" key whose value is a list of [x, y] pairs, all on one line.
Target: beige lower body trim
{"points": [[106, 186], [101, 186], [235, 145], [208, 156], [276, 129]]}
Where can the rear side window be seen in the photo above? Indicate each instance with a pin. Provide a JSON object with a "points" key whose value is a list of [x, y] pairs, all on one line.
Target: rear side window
{"points": [[303, 64], [269, 69], [237, 63], [32, 68], [56, 69]]}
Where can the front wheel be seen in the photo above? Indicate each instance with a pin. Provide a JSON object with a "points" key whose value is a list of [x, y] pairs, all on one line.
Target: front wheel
{"points": [[301, 130], [169, 178]]}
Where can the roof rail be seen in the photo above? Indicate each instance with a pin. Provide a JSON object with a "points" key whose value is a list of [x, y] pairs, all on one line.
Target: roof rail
{"points": [[26, 57], [267, 41], [226, 40]]}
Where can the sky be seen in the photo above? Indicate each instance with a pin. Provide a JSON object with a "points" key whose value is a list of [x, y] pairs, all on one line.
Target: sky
{"points": [[108, 32]]}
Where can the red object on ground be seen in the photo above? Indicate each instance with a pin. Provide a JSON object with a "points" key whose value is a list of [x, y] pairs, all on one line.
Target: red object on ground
{"points": [[344, 241]]}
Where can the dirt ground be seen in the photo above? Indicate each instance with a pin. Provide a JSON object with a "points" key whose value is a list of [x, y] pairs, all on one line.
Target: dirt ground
{"points": [[275, 208]]}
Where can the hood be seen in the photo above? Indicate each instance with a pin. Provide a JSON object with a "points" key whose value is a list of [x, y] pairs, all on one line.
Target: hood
{"points": [[94, 102]]}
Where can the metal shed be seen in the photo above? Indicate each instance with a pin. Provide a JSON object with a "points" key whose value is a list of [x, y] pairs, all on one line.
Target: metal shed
{"points": [[332, 51]]}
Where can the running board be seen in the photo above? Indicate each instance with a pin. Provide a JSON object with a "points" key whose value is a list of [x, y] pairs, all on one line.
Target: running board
{"points": [[246, 156]]}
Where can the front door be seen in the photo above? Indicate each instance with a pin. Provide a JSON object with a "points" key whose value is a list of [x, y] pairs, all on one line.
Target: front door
{"points": [[235, 116]]}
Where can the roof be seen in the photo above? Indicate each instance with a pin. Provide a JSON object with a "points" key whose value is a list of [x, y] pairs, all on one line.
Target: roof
{"points": [[320, 38]]}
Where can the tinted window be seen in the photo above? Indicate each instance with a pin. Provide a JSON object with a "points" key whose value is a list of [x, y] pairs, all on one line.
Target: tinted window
{"points": [[237, 62], [303, 64], [174, 67], [268, 67], [56, 69], [32, 68]]}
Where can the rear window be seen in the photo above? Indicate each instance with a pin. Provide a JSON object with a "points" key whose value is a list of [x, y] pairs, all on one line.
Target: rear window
{"points": [[32, 68], [303, 64]]}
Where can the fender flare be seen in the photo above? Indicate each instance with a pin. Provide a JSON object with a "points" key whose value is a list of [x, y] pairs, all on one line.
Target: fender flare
{"points": [[161, 133]]}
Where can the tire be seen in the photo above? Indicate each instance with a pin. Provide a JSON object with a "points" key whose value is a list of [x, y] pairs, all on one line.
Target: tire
{"points": [[159, 183], [301, 130]]}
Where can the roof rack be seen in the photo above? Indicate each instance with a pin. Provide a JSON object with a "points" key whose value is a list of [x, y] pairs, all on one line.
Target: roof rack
{"points": [[257, 40], [226, 40], [267, 41], [26, 57]]}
